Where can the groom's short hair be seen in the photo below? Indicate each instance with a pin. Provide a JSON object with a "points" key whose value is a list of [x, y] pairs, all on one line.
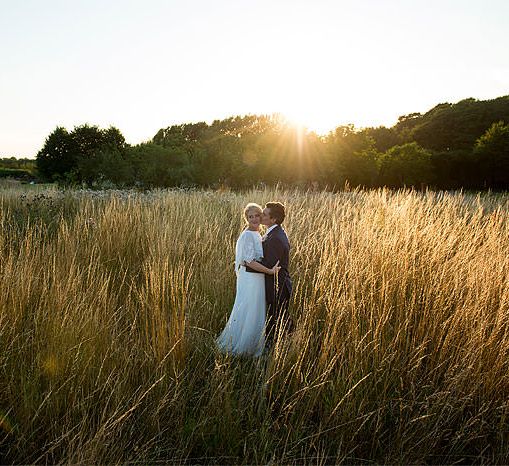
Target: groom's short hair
{"points": [[277, 211]]}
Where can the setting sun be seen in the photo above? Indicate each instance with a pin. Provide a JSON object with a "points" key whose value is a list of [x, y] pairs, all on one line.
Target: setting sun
{"points": [[302, 119]]}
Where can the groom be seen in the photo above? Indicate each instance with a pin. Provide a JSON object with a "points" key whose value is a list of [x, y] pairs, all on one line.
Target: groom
{"points": [[278, 288]]}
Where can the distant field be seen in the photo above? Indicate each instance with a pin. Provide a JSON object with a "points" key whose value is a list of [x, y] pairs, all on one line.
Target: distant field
{"points": [[110, 303], [8, 181]]}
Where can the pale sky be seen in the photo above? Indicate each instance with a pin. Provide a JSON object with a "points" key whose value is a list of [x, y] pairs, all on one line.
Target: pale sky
{"points": [[145, 65]]}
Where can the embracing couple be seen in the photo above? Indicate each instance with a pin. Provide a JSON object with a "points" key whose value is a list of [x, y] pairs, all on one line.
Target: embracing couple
{"points": [[264, 286]]}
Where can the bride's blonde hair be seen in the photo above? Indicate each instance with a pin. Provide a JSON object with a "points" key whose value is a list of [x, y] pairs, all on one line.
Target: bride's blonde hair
{"points": [[251, 206]]}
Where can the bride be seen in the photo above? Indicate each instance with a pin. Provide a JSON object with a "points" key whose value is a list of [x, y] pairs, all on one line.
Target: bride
{"points": [[244, 332]]}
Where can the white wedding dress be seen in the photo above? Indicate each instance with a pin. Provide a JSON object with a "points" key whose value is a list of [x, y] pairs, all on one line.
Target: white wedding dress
{"points": [[244, 332]]}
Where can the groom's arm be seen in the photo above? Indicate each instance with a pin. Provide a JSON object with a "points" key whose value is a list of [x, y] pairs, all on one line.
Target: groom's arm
{"points": [[256, 266], [252, 269], [273, 253]]}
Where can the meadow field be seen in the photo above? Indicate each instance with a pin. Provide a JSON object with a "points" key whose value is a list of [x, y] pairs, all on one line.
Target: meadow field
{"points": [[110, 303]]}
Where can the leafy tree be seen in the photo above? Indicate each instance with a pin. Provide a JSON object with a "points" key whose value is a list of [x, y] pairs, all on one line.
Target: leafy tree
{"points": [[454, 169], [158, 166], [406, 165], [384, 138], [108, 164], [72, 157], [57, 156], [406, 124], [88, 142], [448, 127], [492, 156], [351, 157]]}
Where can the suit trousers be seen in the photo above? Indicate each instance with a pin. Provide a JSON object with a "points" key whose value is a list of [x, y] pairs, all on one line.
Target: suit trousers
{"points": [[278, 320]]}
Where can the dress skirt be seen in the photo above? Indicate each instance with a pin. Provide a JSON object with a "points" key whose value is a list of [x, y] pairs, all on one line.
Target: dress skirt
{"points": [[244, 332]]}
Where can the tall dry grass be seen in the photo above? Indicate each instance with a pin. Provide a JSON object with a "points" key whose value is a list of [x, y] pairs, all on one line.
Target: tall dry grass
{"points": [[110, 304]]}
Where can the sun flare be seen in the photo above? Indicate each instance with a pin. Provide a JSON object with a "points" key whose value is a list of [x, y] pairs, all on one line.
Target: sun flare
{"points": [[307, 119]]}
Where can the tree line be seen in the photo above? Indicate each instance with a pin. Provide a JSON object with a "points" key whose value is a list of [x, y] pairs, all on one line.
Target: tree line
{"points": [[22, 169], [462, 145]]}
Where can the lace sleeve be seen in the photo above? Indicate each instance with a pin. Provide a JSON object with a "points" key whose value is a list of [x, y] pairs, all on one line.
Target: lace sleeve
{"points": [[241, 250], [248, 248]]}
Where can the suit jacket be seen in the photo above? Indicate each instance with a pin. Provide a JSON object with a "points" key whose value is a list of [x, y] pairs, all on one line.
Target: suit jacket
{"points": [[276, 247]]}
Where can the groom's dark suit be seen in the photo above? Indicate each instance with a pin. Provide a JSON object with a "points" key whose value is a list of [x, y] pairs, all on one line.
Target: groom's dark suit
{"points": [[276, 247]]}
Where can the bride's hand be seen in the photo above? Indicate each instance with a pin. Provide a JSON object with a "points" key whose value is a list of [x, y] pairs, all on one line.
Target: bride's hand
{"points": [[275, 269]]}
